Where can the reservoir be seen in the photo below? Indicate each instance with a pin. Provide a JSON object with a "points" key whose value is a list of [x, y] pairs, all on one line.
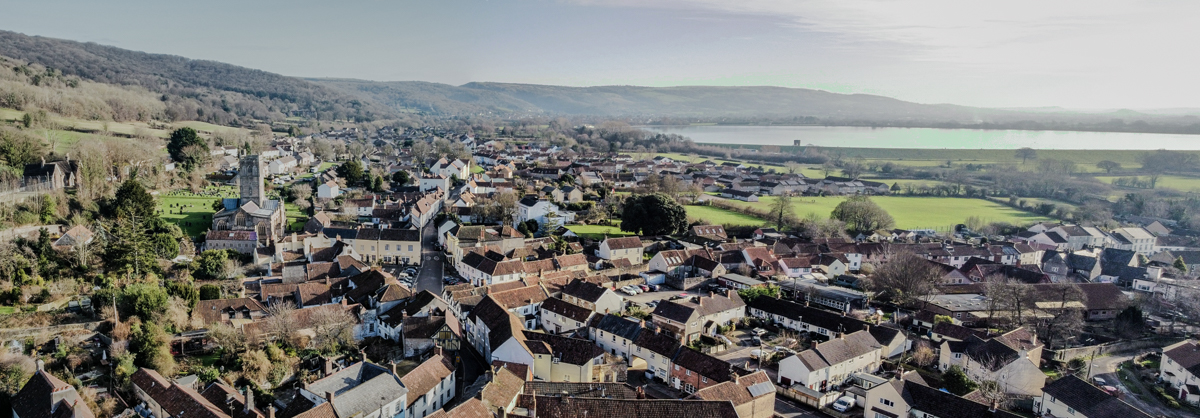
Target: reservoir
{"points": [[844, 136]]}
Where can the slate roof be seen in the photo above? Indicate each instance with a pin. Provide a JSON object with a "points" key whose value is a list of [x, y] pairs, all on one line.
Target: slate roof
{"points": [[809, 315], [46, 396], [708, 366], [422, 327], [584, 290], [610, 390], [568, 407], [360, 388], [661, 343], [957, 332], [1186, 354], [619, 326], [947, 405], [217, 310], [231, 400], [1089, 400], [565, 309], [624, 243], [738, 391], [838, 350], [569, 350]]}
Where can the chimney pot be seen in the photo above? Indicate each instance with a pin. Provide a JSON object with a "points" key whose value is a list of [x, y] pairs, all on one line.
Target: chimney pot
{"points": [[329, 397], [271, 411], [249, 400]]}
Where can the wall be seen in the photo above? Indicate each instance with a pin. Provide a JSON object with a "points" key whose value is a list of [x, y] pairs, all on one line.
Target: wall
{"points": [[1101, 349], [687, 283]]}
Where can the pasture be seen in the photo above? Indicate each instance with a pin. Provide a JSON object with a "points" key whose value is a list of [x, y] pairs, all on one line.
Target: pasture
{"points": [[720, 216], [912, 212]]}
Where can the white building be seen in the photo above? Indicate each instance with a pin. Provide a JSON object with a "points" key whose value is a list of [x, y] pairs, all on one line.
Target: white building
{"points": [[327, 190], [830, 363], [542, 211], [629, 248], [430, 386], [282, 165]]}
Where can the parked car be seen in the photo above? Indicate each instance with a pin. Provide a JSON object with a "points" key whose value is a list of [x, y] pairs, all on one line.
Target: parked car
{"points": [[758, 331], [843, 404], [644, 287], [411, 270], [1099, 381], [628, 290], [652, 304]]}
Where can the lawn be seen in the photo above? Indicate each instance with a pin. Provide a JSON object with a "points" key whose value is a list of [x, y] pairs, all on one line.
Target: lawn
{"points": [[8, 310], [475, 169], [295, 217], [720, 216], [193, 213], [597, 232], [915, 212]]}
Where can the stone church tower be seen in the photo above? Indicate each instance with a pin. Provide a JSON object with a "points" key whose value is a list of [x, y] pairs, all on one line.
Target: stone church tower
{"points": [[250, 180]]}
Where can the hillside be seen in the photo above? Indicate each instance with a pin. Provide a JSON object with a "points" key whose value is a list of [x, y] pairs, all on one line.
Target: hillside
{"points": [[193, 89]]}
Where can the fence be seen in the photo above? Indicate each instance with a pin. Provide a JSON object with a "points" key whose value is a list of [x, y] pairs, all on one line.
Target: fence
{"points": [[30, 232], [807, 396], [16, 333], [16, 191], [1100, 349]]}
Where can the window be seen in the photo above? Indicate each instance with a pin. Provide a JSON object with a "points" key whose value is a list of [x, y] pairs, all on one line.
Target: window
{"points": [[703, 379], [387, 247], [1071, 410], [886, 402], [676, 367], [687, 372], [957, 355], [410, 247]]}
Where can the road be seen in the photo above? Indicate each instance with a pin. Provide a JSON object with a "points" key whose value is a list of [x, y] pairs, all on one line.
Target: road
{"points": [[1106, 367], [431, 274]]}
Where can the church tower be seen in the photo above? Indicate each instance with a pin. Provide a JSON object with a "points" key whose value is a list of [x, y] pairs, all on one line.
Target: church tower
{"points": [[250, 180]]}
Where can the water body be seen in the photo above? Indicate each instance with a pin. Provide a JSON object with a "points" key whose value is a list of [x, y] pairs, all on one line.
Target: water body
{"points": [[844, 136]]}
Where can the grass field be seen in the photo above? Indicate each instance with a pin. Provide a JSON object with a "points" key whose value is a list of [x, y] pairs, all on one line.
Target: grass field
{"points": [[914, 212], [597, 231], [295, 218], [475, 169], [193, 214], [7, 310], [1181, 183], [123, 128], [720, 216]]}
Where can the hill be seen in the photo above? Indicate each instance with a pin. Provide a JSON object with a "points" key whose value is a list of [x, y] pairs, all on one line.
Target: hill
{"points": [[193, 89]]}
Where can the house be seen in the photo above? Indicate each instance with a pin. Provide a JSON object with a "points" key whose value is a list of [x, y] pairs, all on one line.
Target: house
{"points": [[1135, 239], [564, 359], [546, 214], [53, 175], [561, 317], [241, 241], [752, 395], [911, 397], [1071, 396], [1180, 368], [282, 165], [1011, 359], [692, 370], [629, 248], [362, 389], [571, 194], [592, 297], [496, 333], [422, 333], [745, 196], [46, 396], [815, 321], [710, 232], [76, 236], [761, 259], [163, 398], [500, 394], [795, 266], [555, 406], [689, 318], [430, 386], [483, 271], [229, 311], [448, 169], [616, 335], [434, 182], [829, 364], [327, 190], [388, 245]]}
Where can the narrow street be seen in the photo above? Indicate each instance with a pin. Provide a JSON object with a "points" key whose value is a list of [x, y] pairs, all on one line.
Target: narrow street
{"points": [[430, 276], [1106, 367]]}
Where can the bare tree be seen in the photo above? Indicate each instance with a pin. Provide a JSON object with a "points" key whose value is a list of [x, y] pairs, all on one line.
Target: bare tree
{"points": [[227, 337], [256, 366], [281, 321], [923, 355], [907, 277], [333, 328], [793, 167]]}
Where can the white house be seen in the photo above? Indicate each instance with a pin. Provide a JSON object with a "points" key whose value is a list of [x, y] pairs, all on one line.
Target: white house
{"points": [[327, 190], [830, 363], [542, 211], [1180, 366], [1011, 359], [282, 165], [431, 182], [629, 248], [430, 386], [359, 387], [593, 297], [448, 169], [1073, 397]]}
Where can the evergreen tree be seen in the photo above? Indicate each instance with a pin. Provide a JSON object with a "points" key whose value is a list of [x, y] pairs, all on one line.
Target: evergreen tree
{"points": [[182, 139], [957, 382], [1180, 264], [132, 199], [130, 249], [653, 214]]}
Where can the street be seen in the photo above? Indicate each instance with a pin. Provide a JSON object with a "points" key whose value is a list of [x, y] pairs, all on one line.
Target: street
{"points": [[430, 276], [1106, 367]]}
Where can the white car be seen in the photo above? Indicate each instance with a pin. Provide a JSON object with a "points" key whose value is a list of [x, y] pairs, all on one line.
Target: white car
{"points": [[843, 404], [628, 290]]}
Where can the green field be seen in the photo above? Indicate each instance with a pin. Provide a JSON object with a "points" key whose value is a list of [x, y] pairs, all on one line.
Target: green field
{"points": [[720, 216], [196, 216], [597, 232], [913, 212], [8, 310], [476, 169], [1181, 183], [295, 218]]}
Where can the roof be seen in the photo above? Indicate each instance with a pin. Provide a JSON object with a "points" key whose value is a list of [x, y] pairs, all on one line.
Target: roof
{"points": [[422, 327], [569, 350], [740, 391], [619, 326], [516, 298], [705, 365], [568, 310], [947, 405], [503, 389], [734, 277], [501, 323], [838, 350], [217, 310], [610, 390], [584, 290], [574, 407], [1089, 400], [174, 399], [623, 243], [46, 396], [225, 235], [426, 376], [359, 388], [661, 343], [1186, 354]]}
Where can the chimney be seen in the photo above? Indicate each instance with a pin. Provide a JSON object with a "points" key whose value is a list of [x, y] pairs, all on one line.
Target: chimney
{"points": [[328, 369], [249, 400], [362, 351], [814, 347], [271, 411], [43, 162], [329, 397], [867, 328], [393, 364], [41, 365]]}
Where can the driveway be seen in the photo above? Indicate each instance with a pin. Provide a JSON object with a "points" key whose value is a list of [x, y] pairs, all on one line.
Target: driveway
{"points": [[432, 267], [1105, 368]]}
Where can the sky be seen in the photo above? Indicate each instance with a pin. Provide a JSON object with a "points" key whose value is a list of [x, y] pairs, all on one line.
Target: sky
{"points": [[1093, 54]]}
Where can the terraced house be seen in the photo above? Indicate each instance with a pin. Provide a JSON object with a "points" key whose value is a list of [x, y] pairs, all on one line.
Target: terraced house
{"points": [[689, 318], [389, 245]]}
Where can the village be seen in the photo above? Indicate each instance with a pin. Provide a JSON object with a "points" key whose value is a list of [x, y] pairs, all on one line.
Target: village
{"points": [[431, 273]]}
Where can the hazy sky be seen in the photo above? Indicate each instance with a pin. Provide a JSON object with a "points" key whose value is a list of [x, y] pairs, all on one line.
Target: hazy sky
{"points": [[1079, 54]]}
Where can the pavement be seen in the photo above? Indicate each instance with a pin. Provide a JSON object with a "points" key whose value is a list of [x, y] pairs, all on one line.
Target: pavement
{"points": [[432, 262]]}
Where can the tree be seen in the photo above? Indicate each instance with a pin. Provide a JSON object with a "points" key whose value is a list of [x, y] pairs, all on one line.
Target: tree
{"points": [[255, 366], [862, 215], [281, 323], [957, 382], [210, 292], [1108, 166], [400, 177], [1180, 265], [144, 300], [181, 139], [1026, 154], [352, 171], [782, 212], [653, 214], [792, 167], [333, 329], [132, 199], [211, 265], [907, 277], [1130, 323], [752, 293], [150, 344], [230, 339], [923, 355]]}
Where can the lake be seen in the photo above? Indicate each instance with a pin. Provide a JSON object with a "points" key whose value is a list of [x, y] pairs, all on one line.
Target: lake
{"points": [[845, 136]]}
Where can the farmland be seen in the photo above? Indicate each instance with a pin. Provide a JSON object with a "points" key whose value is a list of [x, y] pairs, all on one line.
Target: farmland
{"points": [[909, 212], [721, 216]]}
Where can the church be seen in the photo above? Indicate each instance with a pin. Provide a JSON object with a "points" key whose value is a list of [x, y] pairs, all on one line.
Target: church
{"points": [[252, 211]]}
